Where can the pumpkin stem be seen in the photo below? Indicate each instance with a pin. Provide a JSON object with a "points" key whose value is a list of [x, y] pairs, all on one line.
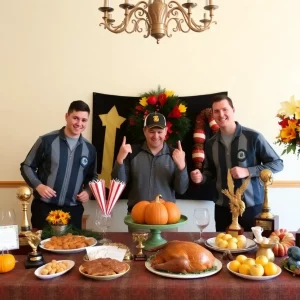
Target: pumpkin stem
{"points": [[159, 196]]}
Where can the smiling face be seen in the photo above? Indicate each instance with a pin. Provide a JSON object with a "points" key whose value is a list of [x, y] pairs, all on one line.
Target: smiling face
{"points": [[155, 138], [76, 123], [223, 114]]}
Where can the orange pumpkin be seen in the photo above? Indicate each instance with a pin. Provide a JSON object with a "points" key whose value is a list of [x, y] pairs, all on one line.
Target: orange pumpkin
{"points": [[138, 212], [156, 213], [7, 263], [173, 212], [285, 241]]}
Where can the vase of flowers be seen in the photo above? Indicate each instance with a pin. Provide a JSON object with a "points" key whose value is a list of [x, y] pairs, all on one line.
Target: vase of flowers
{"points": [[168, 104], [289, 134], [58, 221]]}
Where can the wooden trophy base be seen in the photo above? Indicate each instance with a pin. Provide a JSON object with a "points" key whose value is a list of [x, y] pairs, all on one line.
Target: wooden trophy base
{"points": [[268, 225], [140, 257], [234, 232]]}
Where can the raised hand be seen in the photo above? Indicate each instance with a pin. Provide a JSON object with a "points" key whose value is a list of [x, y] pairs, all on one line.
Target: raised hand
{"points": [[45, 191], [123, 152], [196, 176], [239, 172], [179, 157]]}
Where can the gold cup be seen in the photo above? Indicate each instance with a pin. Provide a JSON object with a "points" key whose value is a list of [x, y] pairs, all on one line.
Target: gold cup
{"points": [[24, 194], [34, 258], [140, 237]]}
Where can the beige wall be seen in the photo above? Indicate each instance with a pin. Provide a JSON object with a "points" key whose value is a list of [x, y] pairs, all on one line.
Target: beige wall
{"points": [[54, 52]]}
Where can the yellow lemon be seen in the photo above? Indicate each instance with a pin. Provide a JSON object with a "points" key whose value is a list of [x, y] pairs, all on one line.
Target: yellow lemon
{"points": [[220, 235], [257, 270], [241, 238], [234, 266], [232, 240], [262, 260], [241, 258], [232, 245], [249, 261], [270, 269], [227, 236], [244, 269], [222, 244]]}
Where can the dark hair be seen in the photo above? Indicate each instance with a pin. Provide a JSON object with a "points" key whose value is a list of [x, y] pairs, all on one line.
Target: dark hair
{"points": [[221, 97], [78, 105]]}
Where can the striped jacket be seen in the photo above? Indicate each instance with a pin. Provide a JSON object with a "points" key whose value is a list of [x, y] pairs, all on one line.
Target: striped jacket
{"points": [[249, 149], [51, 162]]}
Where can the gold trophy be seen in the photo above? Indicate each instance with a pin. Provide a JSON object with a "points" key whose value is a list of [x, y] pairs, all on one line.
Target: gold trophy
{"points": [[140, 237], [236, 204], [34, 258], [266, 219]]}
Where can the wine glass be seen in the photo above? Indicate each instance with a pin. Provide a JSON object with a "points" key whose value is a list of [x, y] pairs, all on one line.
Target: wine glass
{"points": [[201, 219], [103, 222], [7, 216]]}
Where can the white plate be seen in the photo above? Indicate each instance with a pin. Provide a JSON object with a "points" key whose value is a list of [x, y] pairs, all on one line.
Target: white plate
{"points": [[37, 272], [68, 250], [210, 243], [107, 277], [250, 277], [217, 264]]}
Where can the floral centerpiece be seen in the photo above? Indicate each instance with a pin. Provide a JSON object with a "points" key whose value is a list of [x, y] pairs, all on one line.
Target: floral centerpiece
{"points": [[58, 217], [289, 135], [168, 104]]}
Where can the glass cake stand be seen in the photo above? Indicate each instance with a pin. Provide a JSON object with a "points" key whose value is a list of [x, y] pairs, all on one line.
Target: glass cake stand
{"points": [[155, 239]]}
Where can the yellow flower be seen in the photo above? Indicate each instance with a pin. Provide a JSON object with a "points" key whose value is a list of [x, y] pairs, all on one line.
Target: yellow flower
{"points": [[182, 108], [143, 101], [290, 108], [58, 217], [169, 93], [288, 133]]}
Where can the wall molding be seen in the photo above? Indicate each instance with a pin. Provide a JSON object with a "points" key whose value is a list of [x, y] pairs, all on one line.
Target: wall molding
{"points": [[276, 184]]}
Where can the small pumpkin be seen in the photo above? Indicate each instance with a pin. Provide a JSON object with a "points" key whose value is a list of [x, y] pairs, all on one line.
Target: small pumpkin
{"points": [[285, 241], [156, 213], [138, 212], [7, 263], [173, 212]]}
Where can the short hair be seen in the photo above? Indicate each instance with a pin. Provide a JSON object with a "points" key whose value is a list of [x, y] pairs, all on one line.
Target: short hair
{"points": [[78, 105], [221, 97]]}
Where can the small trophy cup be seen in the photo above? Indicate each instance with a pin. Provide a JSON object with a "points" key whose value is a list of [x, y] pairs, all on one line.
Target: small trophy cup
{"points": [[140, 237], [266, 219], [34, 258], [236, 204]]}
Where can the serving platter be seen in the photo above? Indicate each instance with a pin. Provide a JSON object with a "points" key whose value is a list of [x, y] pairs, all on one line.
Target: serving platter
{"points": [[38, 274], [250, 277], [107, 277], [217, 264], [66, 251], [250, 245]]}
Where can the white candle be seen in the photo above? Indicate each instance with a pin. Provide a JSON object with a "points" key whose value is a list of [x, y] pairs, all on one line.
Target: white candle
{"points": [[210, 2], [110, 16], [204, 16], [106, 3]]}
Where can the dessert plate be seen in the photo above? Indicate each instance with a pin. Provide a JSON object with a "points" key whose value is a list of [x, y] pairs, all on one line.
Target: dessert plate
{"points": [[38, 274], [210, 243], [217, 264], [250, 277]]}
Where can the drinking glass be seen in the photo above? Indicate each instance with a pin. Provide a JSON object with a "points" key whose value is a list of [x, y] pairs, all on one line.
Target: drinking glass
{"points": [[7, 216], [201, 219], [103, 222]]}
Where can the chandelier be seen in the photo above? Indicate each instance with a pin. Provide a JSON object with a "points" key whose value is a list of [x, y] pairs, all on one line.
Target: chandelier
{"points": [[156, 15]]}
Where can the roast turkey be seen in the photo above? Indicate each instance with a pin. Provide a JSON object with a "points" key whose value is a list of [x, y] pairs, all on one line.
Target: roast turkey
{"points": [[182, 257]]}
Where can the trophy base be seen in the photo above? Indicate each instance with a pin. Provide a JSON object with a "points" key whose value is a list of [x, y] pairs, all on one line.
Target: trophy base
{"points": [[34, 260], [234, 232], [268, 225], [298, 238], [140, 257]]}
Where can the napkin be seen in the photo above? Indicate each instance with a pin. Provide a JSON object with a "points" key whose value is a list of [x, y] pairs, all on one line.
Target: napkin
{"points": [[105, 252]]}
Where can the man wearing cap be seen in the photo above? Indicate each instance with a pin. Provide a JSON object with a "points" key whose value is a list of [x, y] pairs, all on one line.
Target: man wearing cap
{"points": [[152, 168]]}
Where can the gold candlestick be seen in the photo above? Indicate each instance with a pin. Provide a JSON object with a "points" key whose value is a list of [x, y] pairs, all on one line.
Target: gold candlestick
{"points": [[24, 194], [140, 238]]}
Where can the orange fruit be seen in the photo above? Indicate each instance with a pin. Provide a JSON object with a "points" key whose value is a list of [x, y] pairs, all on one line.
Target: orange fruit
{"points": [[222, 244], [270, 269], [234, 266], [241, 237], [241, 258], [232, 245], [232, 240], [227, 236], [249, 261], [262, 260], [241, 244], [244, 269], [257, 270]]}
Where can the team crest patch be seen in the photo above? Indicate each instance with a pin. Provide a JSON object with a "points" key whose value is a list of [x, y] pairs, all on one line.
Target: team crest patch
{"points": [[241, 155], [84, 161]]}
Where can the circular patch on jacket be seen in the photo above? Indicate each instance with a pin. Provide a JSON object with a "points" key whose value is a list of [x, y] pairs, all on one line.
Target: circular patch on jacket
{"points": [[241, 155], [84, 161]]}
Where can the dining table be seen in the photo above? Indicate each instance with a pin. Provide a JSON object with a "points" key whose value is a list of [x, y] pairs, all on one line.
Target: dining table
{"points": [[139, 283]]}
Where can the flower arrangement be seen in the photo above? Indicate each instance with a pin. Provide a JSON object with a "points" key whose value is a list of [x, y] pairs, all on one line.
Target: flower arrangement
{"points": [[168, 104], [58, 217], [289, 135]]}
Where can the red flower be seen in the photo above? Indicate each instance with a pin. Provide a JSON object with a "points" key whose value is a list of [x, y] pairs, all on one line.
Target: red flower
{"points": [[162, 98], [284, 123], [175, 113], [139, 108], [131, 121], [152, 100], [169, 125]]}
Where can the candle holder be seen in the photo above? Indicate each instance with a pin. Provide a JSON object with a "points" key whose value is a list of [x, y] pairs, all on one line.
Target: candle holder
{"points": [[140, 238]]}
